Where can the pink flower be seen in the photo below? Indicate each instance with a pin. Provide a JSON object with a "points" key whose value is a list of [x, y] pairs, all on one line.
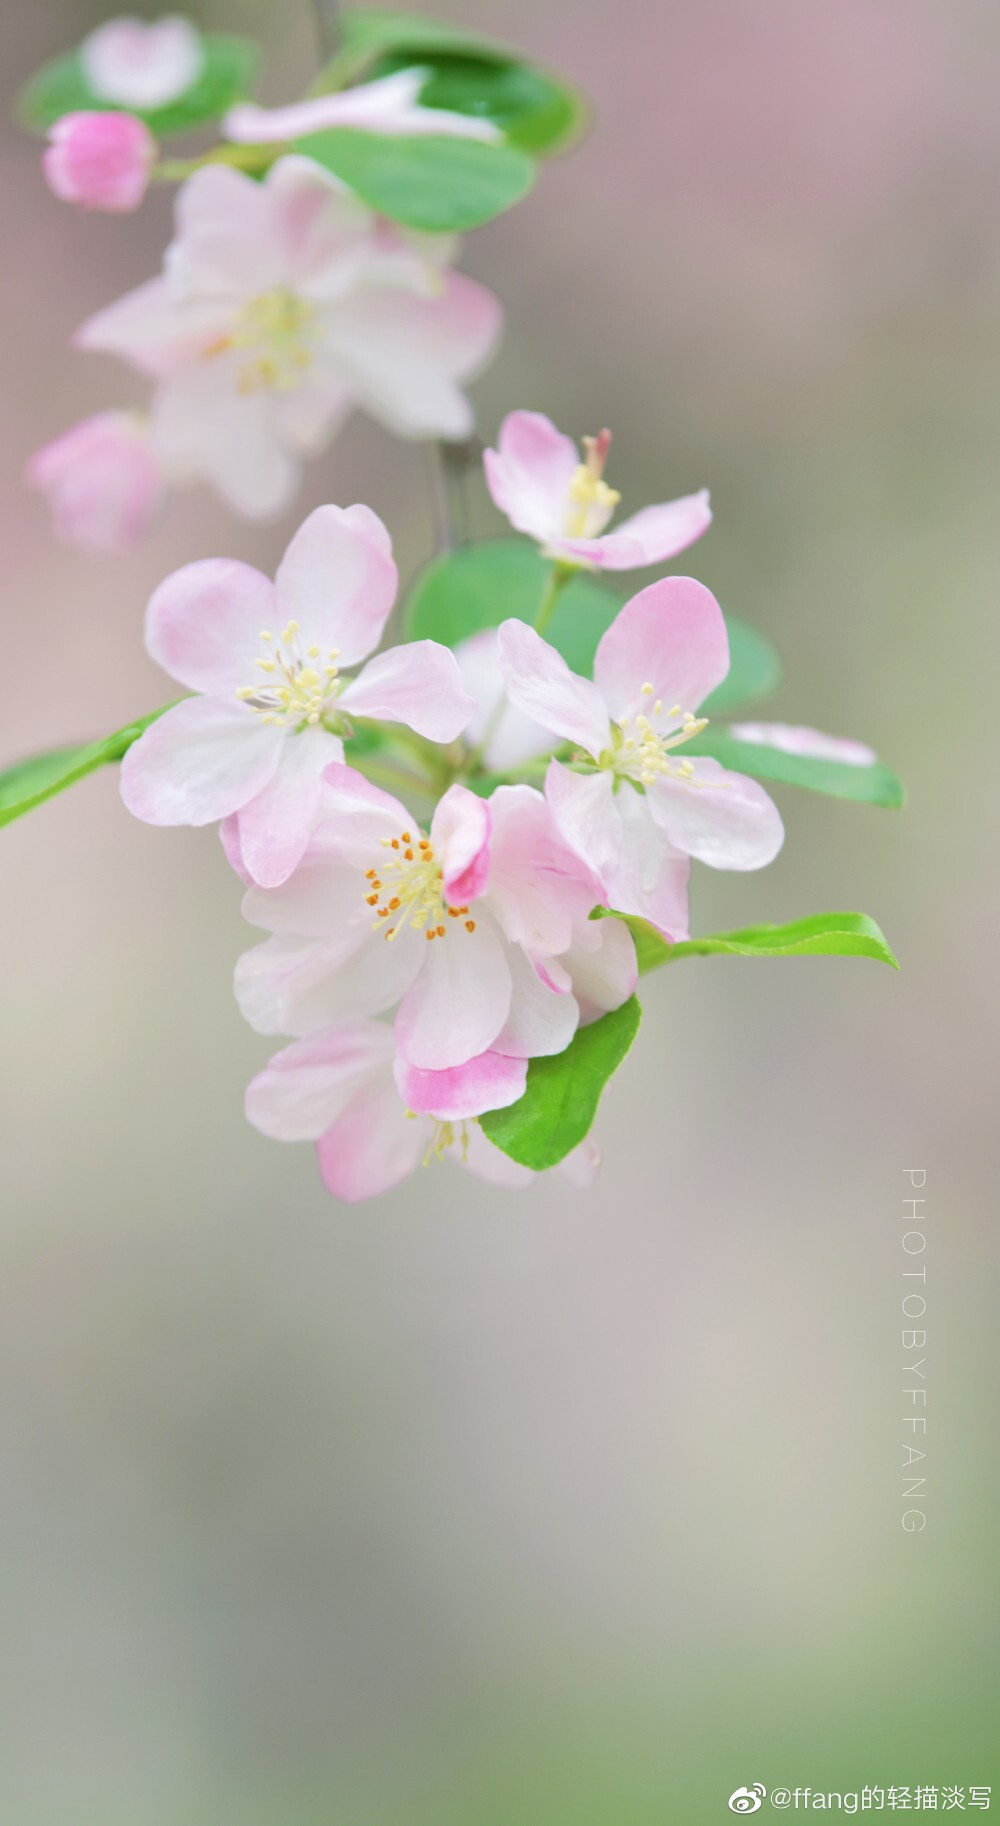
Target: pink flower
{"points": [[103, 481], [639, 810], [142, 66], [537, 479], [792, 739], [344, 1089], [389, 106], [274, 708], [476, 931], [507, 737], [101, 161], [283, 305]]}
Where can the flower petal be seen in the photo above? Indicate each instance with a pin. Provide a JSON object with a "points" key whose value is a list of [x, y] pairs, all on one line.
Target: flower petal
{"points": [[150, 329], [649, 877], [722, 818], [203, 624], [537, 885], [584, 808], [372, 1146], [205, 428], [418, 684], [542, 1020], [510, 737], [224, 246], [795, 739], [490, 1082], [671, 635], [460, 835], [275, 827], [541, 684], [338, 581], [356, 817], [649, 537], [460, 1000], [202, 759], [296, 986], [304, 1088], [404, 355], [582, 1165], [529, 475], [602, 966]]}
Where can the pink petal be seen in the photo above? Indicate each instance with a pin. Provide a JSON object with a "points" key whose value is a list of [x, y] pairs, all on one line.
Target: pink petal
{"points": [[229, 836], [460, 1000], [510, 736], [490, 1082], [322, 231], [460, 835], [205, 428], [304, 1088], [372, 1146], [541, 684], [387, 105], [582, 1166], [202, 759], [671, 635], [722, 818], [537, 886], [297, 986], [225, 246], [584, 808], [324, 900], [792, 739], [602, 966], [404, 355], [530, 474], [338, 581], [203, 625], [275, 827], [418, 684], [149, 328], [542, 1020], [649, 537], [356, 816], [649, 877], [142, 66], [491, 1164]]}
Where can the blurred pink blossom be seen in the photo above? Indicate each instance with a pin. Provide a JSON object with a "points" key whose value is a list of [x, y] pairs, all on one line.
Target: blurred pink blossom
{"points": [[103, 480], [140, 65], [390, 105], [100, 161]]}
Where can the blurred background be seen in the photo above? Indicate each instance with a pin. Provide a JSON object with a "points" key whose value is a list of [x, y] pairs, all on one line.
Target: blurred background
{"points": [[467, 1508]]}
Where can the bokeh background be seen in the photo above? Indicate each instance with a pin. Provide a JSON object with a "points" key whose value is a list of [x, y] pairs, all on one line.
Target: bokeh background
{"points": [[464, 1509]]}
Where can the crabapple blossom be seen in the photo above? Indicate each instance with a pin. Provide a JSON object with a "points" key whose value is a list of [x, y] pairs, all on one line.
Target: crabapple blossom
{"points": [[103, 480], [537, 479], [811, 743], [100, 161], [140, 64], [284, 304], [470, 929], [345, 1088], [637, 811], [274, 705], [390, 105]]}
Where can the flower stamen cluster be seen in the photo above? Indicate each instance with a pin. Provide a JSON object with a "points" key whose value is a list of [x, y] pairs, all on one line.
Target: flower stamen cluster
{"points": [[310, 688], [415, 895]]}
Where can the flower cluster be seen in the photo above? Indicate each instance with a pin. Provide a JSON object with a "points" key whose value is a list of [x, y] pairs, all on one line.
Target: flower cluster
{"points": [[463, 847]]}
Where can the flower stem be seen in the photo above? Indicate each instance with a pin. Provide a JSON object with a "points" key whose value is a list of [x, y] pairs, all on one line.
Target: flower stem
{"points": [[558, 579], [243, 158]]}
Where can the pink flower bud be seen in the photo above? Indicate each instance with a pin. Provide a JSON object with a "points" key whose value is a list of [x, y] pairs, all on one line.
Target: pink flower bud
{"points": [[101, 161], [103, 481]]}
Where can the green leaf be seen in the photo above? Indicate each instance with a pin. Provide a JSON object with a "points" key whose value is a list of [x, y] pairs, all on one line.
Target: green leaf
{"points": [[536, 110], [437, 184], [871, 785], [469, 74], [28, 783], [819, 935], [755, 670], [563, 1092], [227, 76]]}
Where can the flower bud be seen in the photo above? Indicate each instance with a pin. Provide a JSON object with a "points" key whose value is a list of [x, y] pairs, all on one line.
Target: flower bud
{"points": [[103, 481], [101, 161]]}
